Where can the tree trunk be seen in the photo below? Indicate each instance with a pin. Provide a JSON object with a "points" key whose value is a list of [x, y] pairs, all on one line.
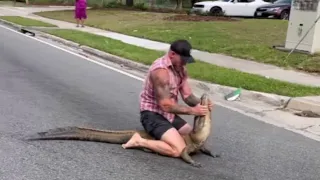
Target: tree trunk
{"points": [[179, 5], [152, 4]]}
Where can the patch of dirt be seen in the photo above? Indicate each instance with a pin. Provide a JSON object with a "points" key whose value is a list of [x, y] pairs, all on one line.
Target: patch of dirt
{"points": [[151, 10], [315, 72], [198, 18]]}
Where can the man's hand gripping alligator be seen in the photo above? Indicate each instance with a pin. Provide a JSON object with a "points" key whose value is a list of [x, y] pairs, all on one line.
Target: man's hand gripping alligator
{"points": [[195, 141]]}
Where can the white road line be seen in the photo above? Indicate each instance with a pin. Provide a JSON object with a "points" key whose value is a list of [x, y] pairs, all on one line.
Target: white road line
{"points": [[88, 59]]}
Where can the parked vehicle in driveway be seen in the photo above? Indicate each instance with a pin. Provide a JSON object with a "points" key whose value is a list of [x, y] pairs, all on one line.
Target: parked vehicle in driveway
{"points": [[280, 9], [241, 8]]}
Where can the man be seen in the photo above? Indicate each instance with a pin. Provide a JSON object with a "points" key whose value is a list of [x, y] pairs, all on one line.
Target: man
{"points": [[159, 106]]}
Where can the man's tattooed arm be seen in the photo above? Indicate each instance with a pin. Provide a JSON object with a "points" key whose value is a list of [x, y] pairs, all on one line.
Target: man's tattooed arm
{"points": [[192, 100], [187, 95], [160, 79]]}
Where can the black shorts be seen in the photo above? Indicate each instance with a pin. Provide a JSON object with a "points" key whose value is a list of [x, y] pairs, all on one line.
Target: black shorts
{"points": [[156, 125]]}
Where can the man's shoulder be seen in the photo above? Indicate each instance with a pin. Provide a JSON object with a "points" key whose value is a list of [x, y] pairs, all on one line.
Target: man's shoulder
{"points": [[159, 60], [159, 74], [158, 63]]}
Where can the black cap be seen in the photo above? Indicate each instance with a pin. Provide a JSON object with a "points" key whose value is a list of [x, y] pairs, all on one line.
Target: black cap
{"points": [[182, 48]]}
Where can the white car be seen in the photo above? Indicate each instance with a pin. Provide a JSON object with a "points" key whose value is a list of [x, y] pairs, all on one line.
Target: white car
{"points": [[245, 8]]}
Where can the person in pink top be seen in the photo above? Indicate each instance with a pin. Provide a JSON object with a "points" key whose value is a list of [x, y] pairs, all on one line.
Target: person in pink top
{"points": [[159, 106], [80, 12]]}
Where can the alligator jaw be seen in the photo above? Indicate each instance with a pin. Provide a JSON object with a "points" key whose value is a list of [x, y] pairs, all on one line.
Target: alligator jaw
{"points": [[199, 121]]}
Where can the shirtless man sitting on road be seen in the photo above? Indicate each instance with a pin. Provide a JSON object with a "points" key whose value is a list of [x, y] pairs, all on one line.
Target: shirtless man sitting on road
{"points": [[159, 106]]}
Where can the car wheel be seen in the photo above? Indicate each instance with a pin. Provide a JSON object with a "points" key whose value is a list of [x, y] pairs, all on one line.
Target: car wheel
{"points": [[284, 15], [216, 11], [256, 16]]}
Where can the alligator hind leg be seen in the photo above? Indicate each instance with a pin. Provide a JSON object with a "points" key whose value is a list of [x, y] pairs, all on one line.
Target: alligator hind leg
{"points": [[187, 158], [206, 151]]}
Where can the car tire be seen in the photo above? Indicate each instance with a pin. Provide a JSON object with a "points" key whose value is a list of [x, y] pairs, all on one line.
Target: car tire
{"points": [[255, 15], [284, 15], [216, 11]]}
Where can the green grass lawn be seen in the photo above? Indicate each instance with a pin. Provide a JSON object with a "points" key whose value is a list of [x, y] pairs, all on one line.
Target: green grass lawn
{"points": [[11, 3], [248, 38], [26, 21], [199, 70]]}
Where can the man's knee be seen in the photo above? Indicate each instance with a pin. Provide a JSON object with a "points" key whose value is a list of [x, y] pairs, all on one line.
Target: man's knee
{"points": [[173, 138], [176, 152]]}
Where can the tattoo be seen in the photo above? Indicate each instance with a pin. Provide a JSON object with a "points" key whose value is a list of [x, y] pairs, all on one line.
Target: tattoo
{"points": [[179, 109], [160, 79], [192, 100]]}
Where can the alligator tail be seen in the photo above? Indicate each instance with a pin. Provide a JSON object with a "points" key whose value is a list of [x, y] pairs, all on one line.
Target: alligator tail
{"points": [[85, 134]]}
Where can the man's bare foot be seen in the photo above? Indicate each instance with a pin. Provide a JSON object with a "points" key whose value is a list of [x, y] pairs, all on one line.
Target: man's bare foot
{"points": [[133, 142]]}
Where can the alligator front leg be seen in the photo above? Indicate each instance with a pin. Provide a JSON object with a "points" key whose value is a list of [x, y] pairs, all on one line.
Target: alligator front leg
{"points": [[187, 158], [206, 151]]}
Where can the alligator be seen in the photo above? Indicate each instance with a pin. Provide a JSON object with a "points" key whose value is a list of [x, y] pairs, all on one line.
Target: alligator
{"points": [[195, 141]]}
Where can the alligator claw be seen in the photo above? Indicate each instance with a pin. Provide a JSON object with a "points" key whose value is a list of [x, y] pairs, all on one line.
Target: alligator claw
{"points": [[215, 155], [195, 164]]}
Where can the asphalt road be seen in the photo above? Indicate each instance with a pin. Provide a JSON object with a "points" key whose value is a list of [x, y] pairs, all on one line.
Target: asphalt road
{"points": [[42, 87]]}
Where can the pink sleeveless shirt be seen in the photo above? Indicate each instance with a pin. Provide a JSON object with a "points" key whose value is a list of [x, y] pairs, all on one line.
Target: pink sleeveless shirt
{"points": [[177, 80]]}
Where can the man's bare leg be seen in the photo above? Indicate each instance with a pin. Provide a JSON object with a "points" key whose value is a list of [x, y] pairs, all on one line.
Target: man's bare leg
{"points": [[186, 129], [171, 143]]}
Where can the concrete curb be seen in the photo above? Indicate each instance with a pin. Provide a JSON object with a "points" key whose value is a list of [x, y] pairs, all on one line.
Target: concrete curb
{"points": [[115, 59], [271, 99], [96, 52], [309, 103]]}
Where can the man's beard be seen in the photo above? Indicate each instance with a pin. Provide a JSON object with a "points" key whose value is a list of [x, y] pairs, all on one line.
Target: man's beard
{"points": [[178, 68]]}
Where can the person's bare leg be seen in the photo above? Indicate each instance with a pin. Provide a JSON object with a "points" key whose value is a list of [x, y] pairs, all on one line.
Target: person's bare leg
{"points": [[186, 129], [82, 22], [156, 145], [77, 22], [171, 143]]}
